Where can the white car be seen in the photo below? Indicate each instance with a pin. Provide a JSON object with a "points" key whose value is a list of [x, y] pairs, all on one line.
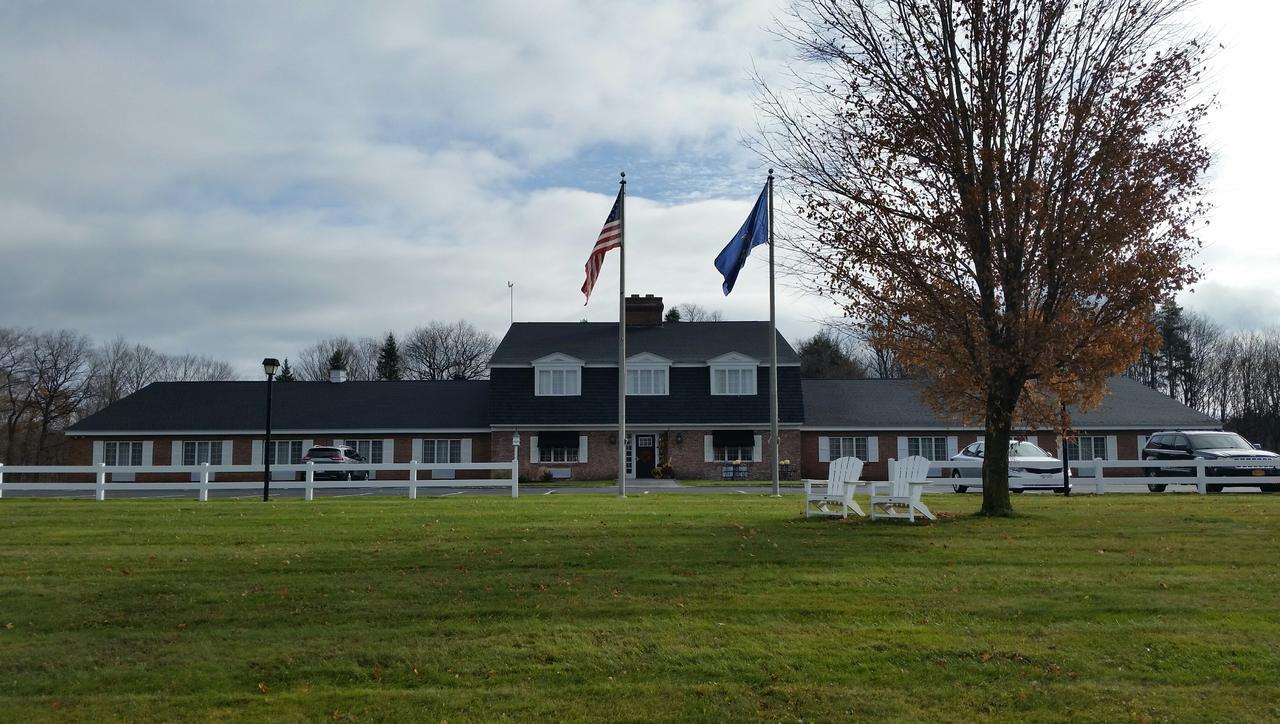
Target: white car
{"points": [[1030, 468]]}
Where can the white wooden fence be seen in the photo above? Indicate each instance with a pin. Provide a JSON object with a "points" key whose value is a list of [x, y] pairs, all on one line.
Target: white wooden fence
{"points": [[1089, 476], [204, 481]]}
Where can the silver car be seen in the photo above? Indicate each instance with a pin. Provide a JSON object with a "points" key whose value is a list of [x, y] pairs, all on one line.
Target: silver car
{"points": [[1030, 468]]}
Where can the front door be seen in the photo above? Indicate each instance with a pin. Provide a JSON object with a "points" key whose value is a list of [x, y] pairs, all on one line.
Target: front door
{"points": [[645, 460]]}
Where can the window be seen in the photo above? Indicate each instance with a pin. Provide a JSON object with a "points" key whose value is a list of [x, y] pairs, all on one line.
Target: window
{"points": [[842, 447], [558, 454], [1087, 447], [200, 452], [441, 451], [933, 448], [558, 382], [733, 380], [370, 450], [646, 381], [729, 453], [286, 452], [122, 453]]}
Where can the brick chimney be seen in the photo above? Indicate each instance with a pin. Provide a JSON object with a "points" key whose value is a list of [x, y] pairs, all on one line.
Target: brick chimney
{"points": [[644, 311]]}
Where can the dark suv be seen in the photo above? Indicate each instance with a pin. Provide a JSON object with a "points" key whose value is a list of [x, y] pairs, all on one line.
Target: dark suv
{"points": [[328, 458], [1189, 445]]}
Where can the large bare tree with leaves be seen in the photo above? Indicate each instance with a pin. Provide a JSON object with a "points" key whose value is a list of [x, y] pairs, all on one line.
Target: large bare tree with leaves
{"points": [[1000, 190]]}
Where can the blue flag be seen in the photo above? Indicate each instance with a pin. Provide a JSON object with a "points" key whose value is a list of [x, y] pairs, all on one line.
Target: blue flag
{"points": [[754, 231]]}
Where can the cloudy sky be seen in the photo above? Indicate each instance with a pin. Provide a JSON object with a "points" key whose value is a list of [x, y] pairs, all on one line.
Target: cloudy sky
{"points": [[242, 179]]}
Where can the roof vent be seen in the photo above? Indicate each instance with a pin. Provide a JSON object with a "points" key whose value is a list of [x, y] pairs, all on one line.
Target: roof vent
{"points": [[337, 375]]}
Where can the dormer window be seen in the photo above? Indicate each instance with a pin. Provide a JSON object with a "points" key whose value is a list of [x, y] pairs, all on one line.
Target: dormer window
{"points": [[733, 374], [557, 375], [647, 374]]}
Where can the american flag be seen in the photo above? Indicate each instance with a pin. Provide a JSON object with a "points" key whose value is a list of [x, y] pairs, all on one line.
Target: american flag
{"points": [[610, 238]]}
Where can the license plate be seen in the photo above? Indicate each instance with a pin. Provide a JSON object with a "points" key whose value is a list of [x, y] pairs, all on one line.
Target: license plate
{"points": [[1258, 471]]}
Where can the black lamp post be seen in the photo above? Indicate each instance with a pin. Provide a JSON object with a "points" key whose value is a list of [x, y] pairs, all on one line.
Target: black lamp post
{"points": [[270, 365]]}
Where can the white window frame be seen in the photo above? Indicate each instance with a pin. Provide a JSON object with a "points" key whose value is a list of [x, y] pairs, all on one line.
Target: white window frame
{"points": [[366, 448], [111, 453], [202, 452], [734, 375], [451, 447], [558, 454], [295, 452], [938, 444], [648, 375], [557, 375], [852, 446], [729, 453], [1096, 442]]}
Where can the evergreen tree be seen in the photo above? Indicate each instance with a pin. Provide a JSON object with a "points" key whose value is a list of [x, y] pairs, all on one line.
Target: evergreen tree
{"points": [[338, 360], [673, 315], [286, 374], [389, 359]]}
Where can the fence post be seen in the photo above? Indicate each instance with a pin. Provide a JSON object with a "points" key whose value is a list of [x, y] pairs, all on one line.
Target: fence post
{"points": [[413, 480], [311, 480], [1, 480], [102, 482], [204, 483], [515, 474], [1202, 485], [1099, 484]]}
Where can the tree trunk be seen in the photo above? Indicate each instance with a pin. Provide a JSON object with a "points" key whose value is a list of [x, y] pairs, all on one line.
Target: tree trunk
{"points": [[1001, 401]]}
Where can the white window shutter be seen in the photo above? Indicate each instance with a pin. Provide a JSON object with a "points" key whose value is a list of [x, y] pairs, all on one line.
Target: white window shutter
{"points": [[582, 448], [228, 452], [708, 453], [873, 449], [388, 450], [1112, 452], [1142, 444], [533, 448], [824, 449], [307, 445], [148, 452], [255, 453], [757, 453], [97, 452], [417, 449], [175, 453], [466, 449], [953, 446], [902, 448]]}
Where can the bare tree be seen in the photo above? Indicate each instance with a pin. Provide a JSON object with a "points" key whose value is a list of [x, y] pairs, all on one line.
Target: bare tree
{"points": [[689, 312], [62, 363], [447, 351], [1001, 190], [361, 358], [16, 385]]}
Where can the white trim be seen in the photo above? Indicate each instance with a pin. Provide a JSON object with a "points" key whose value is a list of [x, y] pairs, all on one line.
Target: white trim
{"points": [[557, 359], [902, 447], [915, 428], [649, 359], [582, 448], [757, 452], [533, 449], [1142, 444], [416, 452], [175, 453], [299, 431], [953, 446], [1113, 451], [255, 453], [228, 452], [734, 359], [614, 365], [708, 450], [388, 449], [466, 450]]}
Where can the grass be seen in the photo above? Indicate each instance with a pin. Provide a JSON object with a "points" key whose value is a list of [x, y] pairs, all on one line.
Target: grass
{"points": [[652, 608]]}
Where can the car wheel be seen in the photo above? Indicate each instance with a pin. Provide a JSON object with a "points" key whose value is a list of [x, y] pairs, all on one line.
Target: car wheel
{"points": [[1214, 488], [1016, 491], [955, 475], [1156, 487]]}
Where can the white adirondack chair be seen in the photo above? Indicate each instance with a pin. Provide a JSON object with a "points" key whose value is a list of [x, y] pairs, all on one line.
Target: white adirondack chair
{"points": [[907, 478], [841, 482]]}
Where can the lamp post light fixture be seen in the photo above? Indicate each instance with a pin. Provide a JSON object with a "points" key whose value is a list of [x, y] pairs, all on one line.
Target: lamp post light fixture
{"points": [[270, 365]]}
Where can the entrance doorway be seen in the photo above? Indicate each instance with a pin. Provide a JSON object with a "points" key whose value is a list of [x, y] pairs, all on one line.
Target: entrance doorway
{"points": [[646, 449]]}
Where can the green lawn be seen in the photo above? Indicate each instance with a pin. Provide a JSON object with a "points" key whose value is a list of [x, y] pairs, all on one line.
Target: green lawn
{"points": [[689, 607]]}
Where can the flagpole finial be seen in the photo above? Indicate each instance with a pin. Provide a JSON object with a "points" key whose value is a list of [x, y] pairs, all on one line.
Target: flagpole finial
{"points": [[770, 173], [623, 174]]}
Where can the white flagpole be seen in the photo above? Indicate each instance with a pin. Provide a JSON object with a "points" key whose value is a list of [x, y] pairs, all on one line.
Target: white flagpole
{"points": [[622, 337], [773, 357]]}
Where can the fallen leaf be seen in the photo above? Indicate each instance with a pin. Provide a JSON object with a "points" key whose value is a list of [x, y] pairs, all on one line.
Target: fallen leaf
{"points": [[262, 686]]}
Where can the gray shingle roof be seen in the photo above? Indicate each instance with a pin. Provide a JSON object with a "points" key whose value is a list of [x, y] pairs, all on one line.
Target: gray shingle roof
{"points": [[680, 342], [896, 404], [348, 406]]}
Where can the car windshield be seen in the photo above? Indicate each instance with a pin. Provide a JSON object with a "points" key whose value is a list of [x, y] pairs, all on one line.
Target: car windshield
{"points": [[1026, 450], [1219, 441]]}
